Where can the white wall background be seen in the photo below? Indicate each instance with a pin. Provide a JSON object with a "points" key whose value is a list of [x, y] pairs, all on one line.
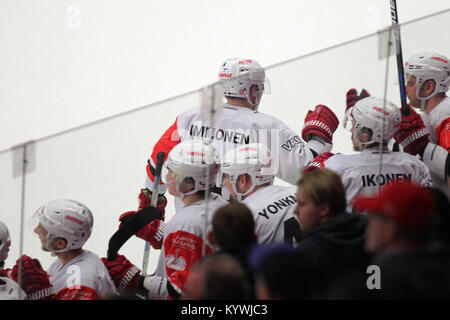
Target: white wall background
{"points": [[67, 63]]}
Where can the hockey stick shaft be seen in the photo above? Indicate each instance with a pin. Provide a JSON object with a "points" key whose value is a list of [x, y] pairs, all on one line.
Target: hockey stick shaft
{"points": [[398, 42], [159, 162]]}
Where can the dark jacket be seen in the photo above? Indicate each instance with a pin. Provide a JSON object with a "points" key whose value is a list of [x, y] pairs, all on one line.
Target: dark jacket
{"points": [[416, 274], [335, 245]]}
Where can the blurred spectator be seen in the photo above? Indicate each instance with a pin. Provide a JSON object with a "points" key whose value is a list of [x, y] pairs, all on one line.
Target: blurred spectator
{"points": [[443, 220], [282, 273], [216, 277], [401, 223], [233, 232], [331, 239]]}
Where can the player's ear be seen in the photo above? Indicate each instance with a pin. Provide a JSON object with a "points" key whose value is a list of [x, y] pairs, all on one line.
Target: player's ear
{"points": [[428, 87]]}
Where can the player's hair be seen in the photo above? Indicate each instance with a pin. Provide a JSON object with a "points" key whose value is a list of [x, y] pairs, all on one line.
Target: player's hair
{"points": [[325, 186], [233, 227]]}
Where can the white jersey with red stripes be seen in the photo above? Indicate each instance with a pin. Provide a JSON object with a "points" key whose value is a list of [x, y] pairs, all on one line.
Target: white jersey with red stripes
{"points": [[183, 240], [438, 121], [271, 206], [359, 172], [233, 126], [84, 278]]}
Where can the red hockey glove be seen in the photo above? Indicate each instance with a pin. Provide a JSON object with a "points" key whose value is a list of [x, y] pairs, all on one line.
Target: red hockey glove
{"points": [[35, 281], [124, 274], [318, 161], [412, 134], [352, 97], [154, 231], [145, 200], [322, 122]]}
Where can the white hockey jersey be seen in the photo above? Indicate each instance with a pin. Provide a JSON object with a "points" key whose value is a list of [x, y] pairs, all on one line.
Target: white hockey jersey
{"points": [[272, 206], [236, 126], [183, 240], [438, 122], [359, 172], [83, 278]]}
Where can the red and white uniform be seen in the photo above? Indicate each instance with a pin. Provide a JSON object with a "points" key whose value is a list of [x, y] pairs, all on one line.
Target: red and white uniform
{"points": [[271, 207], [438, 122], [83, 278], [359, 172], [235, 126], [183, 241]]}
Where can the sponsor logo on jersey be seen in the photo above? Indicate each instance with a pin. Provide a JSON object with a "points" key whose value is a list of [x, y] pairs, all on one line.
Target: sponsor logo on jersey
{"points": [[291, 143], [371, 180], [219, 134], [278, 205]]}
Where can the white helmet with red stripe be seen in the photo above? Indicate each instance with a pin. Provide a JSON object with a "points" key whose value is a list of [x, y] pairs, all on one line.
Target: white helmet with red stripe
{"points": [[189, 162], [5, 242], [379, 120], [66, 219], [254, 160], [238, 75], [429, 66]]}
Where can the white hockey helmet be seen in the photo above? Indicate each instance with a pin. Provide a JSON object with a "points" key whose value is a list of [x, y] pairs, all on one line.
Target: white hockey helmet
{"points": [[189, 162], [253, 159], [237, 75], [10, 290], [67, 219], [378, 119], [5, 242], [429, 66]]}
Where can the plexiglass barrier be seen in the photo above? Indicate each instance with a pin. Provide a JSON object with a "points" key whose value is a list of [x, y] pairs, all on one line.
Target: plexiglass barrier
{"points": [[103, 165]]}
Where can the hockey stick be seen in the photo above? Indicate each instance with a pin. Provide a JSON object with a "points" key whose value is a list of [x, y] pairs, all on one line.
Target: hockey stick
{"points": [[129, 228], [157, 178], [401, 80]]}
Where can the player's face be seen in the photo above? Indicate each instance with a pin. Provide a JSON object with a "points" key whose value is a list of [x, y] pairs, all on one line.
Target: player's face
{"points": [[171, 183], [354, 140], [411, 89], [378, 233], [42, 234], [229, 186], [307, 211]]}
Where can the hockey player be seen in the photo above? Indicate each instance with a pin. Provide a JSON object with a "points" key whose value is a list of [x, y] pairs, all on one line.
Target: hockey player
{"points": [[9, 289], [248, 173], [239, 122], [427, 80], [64, 226], [373, 123], [184, 234], [34, 282]]}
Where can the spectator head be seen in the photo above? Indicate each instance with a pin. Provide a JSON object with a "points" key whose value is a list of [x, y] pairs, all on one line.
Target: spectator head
{"points": [[402, 215], [283, 273], [5, 242], [320, 196], [216, 277], [233, 228]]}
